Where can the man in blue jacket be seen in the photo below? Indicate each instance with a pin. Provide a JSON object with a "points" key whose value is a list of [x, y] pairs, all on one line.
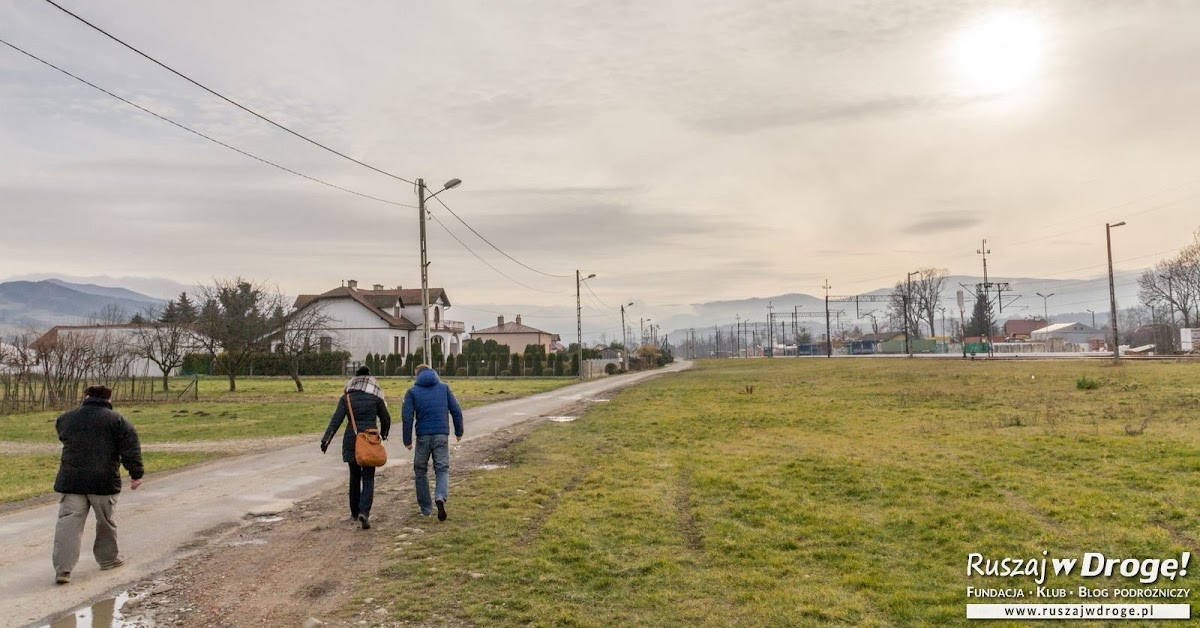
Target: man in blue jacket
{"points": [[430, 402]]}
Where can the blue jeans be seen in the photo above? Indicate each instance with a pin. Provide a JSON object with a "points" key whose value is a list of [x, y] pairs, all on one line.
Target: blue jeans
{"points": [[362, 489], [437, 446]]}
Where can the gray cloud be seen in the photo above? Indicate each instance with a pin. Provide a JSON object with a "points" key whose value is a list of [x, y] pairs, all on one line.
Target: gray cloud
{"points": [[941, 222]]}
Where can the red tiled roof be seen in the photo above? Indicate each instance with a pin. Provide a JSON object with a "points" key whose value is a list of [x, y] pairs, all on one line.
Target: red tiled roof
{"points": [[374, 300], [510, 328]]}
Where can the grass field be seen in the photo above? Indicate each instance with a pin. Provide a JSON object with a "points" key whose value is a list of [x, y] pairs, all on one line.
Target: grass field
{"points": [[22, 477], [262, 407], [816, 492]]}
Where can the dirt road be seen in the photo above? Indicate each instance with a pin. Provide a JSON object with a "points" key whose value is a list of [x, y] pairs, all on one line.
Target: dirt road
{"points": [[179, 518]]}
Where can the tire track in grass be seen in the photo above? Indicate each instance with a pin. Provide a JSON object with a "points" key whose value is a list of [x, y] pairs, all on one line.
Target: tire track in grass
{"points": [[685, 514]]}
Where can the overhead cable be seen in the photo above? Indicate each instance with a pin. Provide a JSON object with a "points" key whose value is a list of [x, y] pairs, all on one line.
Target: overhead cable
{"points": [[195, 132], [519, 262], [225, 98]]}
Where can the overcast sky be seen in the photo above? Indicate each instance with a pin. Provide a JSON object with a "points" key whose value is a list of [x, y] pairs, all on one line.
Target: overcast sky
{"points": [[682, 151]]}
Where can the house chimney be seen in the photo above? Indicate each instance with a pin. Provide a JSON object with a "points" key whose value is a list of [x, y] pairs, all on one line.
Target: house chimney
{"points": [[377, 286], [518, 319], [500, 321], [352, 283]]}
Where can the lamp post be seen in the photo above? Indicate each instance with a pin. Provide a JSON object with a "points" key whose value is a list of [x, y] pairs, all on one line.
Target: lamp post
{"points": [[1112, 291], [1045, 312], [625, 338], [1093, 313], [579, 321], [904, 301], [452, 183]]}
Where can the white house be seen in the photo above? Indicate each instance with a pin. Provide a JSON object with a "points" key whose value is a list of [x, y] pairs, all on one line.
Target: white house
{"points": [[384, 321], [112, 346]]}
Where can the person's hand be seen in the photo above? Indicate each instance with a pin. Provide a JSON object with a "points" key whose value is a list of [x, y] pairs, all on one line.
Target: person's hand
{"points": [[458, 439], [324, 445], [408, 447], [133, 484]]}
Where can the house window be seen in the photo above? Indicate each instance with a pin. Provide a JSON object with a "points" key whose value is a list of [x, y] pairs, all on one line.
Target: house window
{"points": [[403, 346], [437, 317], [395, 344], [326, 344]]}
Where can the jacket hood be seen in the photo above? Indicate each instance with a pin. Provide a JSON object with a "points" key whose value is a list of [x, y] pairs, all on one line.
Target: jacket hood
{"points": [[428, 378]]}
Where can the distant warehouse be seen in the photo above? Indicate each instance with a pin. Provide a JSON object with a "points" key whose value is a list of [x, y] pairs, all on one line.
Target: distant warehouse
{"points": [[1067, 336]]}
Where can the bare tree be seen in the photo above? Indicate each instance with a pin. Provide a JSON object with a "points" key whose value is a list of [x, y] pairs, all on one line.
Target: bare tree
{"points": [[299, 335], [234, 321], [928, 293], [111, 314], [905, 307], [1174, 284], [166, 344]]}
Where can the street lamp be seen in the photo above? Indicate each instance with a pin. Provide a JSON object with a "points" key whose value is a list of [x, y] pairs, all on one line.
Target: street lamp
{"points": [[625, 337], [904, 302], [451, 184], [1093, 313], [579, 321], [1045, 315], [1112, 291]]}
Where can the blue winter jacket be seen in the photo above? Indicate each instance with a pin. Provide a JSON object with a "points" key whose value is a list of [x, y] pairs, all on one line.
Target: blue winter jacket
{"points": [[431, 401]]}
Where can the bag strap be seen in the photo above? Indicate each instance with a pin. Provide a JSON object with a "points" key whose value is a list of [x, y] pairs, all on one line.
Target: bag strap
{"points": [[350, 410]]}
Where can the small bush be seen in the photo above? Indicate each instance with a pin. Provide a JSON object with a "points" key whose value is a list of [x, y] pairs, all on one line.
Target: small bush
{"points": [[1087, 383], [610, 368]]}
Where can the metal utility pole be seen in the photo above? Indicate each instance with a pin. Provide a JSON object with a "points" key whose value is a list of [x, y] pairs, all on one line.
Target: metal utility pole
{"points": [[428, 359], [737, 339], [771, 329], [828, 337], [452, 183], [904, 301], [624, 337], [1093, 313], [987, 316], [1045, 309], [1112, 291], [579, 320]]}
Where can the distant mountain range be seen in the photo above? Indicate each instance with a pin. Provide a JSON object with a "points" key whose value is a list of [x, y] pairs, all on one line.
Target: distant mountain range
{"points": [[1073, 299], [39, 305], [42, 304]]}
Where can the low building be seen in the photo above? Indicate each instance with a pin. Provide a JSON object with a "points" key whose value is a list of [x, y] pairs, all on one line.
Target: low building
{"points": [[1022, 329], [516, 336], [384, 320], [1066, 336]]}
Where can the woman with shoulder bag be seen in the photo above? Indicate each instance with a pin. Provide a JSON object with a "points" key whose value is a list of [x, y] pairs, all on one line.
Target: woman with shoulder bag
{"points": [[363, 404]]}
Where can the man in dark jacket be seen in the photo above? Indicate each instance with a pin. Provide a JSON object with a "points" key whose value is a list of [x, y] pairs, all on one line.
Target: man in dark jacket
{"points": [[96, 442], [370, 411], [431, 401]]}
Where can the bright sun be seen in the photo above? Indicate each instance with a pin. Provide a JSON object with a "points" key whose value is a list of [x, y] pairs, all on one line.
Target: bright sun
{"points": [[999, 53]]}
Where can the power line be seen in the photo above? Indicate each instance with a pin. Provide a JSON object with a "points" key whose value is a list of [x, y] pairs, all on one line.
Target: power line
{"points": [[484, 261], [195, 132], [226, 99], [598, 299], [443, 204]]}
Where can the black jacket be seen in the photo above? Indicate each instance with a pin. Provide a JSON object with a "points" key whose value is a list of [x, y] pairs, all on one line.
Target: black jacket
{"points": [[96, 441], [370, 412]]}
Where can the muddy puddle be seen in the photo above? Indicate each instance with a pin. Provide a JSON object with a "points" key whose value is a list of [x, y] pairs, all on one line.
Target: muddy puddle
{"points": [[102, 614]]}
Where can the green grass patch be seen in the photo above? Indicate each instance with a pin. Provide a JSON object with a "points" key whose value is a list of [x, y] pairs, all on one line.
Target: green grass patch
{"points": [[838, 492], [23, 477], [261, 407]]}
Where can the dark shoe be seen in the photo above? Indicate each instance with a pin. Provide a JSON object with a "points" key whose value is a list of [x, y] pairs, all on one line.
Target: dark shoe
{"points": [[113, 565], [366, 522], [353, 517], [63, 577], [441, 510]]}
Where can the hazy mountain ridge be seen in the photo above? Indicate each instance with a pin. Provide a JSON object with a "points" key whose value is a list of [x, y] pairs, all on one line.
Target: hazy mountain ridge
{"points": [[42, 304]]}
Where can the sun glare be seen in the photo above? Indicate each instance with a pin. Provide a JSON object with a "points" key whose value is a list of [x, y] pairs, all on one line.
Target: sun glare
{"points": [[999, 53]]}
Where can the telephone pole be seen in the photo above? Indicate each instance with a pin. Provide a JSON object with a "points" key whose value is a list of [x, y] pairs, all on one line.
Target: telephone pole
{"points": [[828, 337]]}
